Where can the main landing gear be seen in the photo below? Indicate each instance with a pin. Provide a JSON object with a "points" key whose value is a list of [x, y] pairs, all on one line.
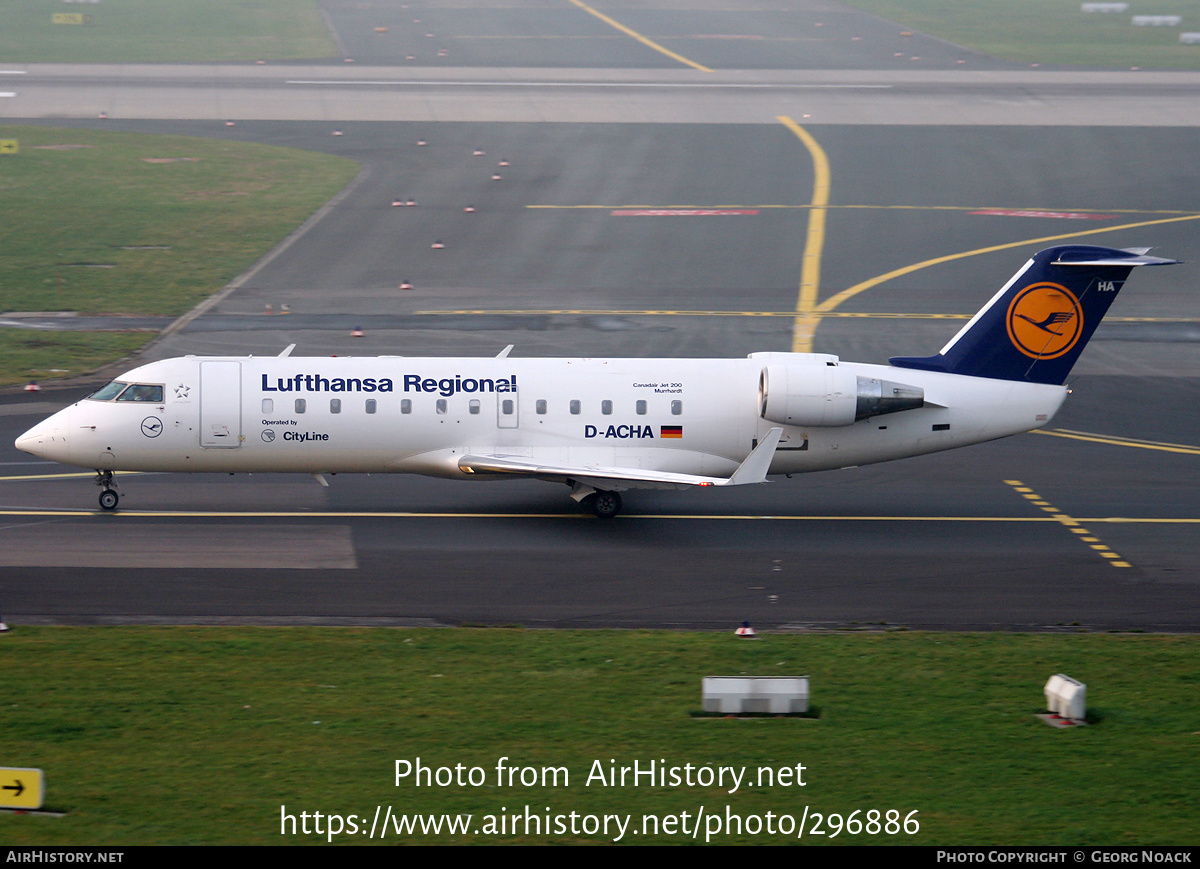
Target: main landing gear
{"points": [[604, 504], [109, 496]]}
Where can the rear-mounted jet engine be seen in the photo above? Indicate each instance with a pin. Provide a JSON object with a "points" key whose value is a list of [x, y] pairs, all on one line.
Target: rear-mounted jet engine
{"points": [[828, 395]]}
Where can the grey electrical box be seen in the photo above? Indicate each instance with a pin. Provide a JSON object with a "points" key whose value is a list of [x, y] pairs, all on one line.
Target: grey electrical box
{"points": [[1066, 697], [771, 695]]}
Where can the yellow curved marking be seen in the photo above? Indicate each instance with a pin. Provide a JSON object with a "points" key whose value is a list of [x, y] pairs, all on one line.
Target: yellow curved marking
{"points": [[650, 43], [837, 299], [1120, 442], [623, 206], [805, 325], [846, 315]]}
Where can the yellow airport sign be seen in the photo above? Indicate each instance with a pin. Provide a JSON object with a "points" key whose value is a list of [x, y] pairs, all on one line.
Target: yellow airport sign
{"points": [[21, 788], [9, 146]]}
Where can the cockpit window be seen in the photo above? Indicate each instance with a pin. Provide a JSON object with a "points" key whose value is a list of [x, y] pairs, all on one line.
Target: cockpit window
{"points": [[142, 392], [129, 392], [109, 392]]}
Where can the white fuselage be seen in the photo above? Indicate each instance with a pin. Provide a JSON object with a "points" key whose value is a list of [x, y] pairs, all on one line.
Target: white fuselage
{"points": [[422, 415]]}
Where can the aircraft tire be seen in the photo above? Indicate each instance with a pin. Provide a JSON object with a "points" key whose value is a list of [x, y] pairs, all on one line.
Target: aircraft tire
{"points": [[606, 504], [109, 499]]}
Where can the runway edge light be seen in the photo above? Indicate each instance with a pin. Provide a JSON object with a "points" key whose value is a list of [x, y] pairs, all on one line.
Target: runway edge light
{"points": [[746, 632]]}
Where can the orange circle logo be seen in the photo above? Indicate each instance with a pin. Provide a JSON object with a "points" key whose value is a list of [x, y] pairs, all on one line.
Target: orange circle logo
{"points": [[1044, 321]]}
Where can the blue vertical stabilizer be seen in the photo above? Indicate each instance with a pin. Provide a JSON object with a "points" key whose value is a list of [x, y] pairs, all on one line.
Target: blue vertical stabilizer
{"points": [[1034, 329]]}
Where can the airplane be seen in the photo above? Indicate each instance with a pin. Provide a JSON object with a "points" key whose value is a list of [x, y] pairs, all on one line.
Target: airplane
{"points": [[601, 426]]}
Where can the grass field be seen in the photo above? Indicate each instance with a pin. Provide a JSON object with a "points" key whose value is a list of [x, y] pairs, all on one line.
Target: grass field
{"points": [[167, 31], [123, 223], [201, 735], [171, 31], [1052, 31]]}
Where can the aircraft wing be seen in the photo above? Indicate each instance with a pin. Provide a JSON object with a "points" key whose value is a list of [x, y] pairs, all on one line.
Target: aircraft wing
{"points": [[752, 470]]}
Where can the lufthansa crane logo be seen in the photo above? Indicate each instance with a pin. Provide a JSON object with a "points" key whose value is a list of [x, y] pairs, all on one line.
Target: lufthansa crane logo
{"points": [[152, 426], [1045, 320]]}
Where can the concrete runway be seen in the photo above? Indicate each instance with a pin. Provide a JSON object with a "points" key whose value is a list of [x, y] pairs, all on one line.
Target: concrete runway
{"points": [[929, 159]]}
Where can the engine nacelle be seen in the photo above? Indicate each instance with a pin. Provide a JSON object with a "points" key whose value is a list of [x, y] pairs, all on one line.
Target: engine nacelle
{"points": [[821, 395], [812, 395]]}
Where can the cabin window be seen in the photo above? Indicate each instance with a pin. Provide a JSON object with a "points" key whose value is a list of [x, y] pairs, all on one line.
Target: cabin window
{"points": [[301, 405], [641, 406], [575, 406], [108, 392], [268, 405], [335, 405], [676, 407], [473, 406], [371, 405], [406, 405], [507, 407], [142, 392], [540, 406], [441, 405], [606, 407]]}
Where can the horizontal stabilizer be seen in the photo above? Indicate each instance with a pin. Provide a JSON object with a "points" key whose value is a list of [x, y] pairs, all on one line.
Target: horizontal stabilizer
{"points": [[1134, 256]]}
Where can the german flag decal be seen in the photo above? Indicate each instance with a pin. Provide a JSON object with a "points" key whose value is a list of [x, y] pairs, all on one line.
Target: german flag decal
{"points": [[671, 431]]}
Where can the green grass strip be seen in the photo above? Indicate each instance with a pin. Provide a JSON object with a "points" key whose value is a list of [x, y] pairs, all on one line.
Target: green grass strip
{"points": [[1052, 31], [107, 223], [166, 31], [202, 735]]}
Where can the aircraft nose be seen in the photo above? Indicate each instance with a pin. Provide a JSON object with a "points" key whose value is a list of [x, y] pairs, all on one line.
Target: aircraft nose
{"points": [[47, 439]]}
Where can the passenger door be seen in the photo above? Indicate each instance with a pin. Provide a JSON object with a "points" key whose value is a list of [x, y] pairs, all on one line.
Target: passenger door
{"points": [[221, 404]]}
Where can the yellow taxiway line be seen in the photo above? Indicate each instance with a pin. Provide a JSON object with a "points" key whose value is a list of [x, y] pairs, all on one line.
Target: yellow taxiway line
{"points": [[708, 517], [779, 206], [809, 313], [804, 327], [838, 298], [73, 474], [1120, 441], [646, 41], [1072, 524], [848, 315]]}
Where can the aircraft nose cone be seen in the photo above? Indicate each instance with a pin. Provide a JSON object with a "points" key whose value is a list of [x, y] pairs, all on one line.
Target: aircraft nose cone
{"points": [[33, 441], [46, 440]]}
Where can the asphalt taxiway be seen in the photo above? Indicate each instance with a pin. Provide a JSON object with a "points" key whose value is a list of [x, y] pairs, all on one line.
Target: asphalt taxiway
{"points": [[639, 217]]}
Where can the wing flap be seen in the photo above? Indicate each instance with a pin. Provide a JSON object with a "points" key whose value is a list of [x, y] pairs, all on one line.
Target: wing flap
{"points": [[596, 476], [752, 470]]}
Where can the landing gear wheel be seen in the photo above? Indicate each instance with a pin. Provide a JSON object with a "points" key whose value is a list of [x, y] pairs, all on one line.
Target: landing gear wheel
{"points": [[109, 496], [605, 504]]}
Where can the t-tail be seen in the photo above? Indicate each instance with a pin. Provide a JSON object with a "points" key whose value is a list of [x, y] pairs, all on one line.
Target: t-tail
{"points": [[1034, 329]]}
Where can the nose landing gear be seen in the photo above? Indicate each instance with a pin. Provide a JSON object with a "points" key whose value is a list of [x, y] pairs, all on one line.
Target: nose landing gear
{"points": [[109, 496]]}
